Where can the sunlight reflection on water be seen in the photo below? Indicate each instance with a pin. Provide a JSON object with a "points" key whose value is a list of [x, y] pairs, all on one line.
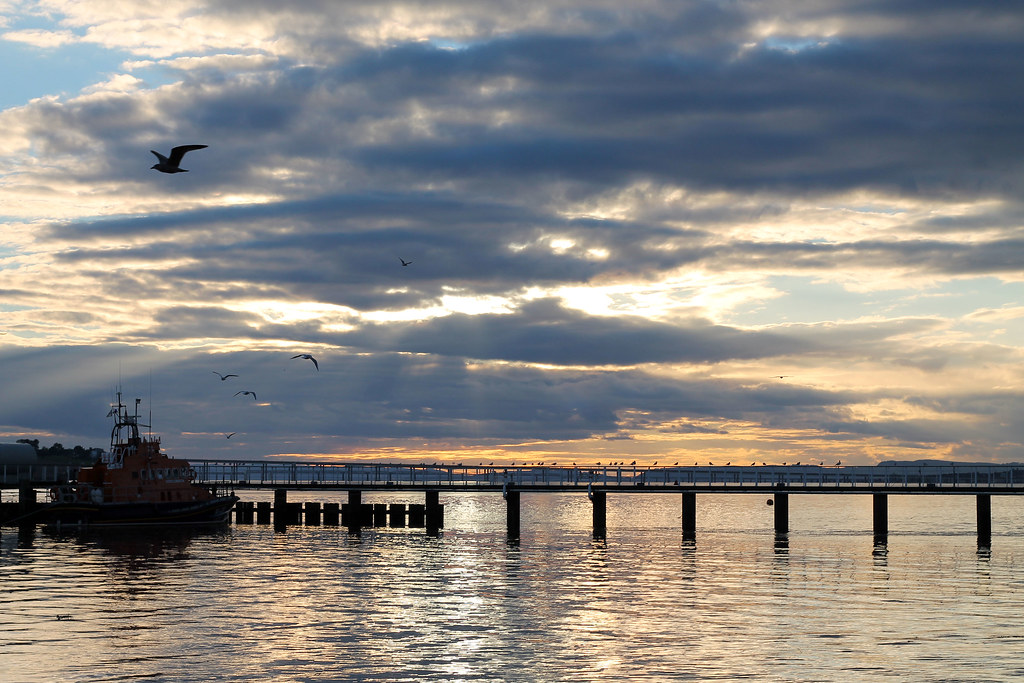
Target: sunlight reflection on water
{"points": [[315, 603]]}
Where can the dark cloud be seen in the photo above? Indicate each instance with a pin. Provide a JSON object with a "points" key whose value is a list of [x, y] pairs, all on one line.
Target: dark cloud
{"points": [[642, 138], [544, 332]]}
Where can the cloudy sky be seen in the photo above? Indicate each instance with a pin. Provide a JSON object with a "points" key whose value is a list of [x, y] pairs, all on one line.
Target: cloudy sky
{"points": [[662, 230]]}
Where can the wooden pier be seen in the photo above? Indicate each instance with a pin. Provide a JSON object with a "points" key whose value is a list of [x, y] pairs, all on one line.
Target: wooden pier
{"points": [[597, 482]]}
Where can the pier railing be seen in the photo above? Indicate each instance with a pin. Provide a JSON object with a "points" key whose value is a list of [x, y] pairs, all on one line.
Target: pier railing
{"points": [[282, 474], [386, 475]]}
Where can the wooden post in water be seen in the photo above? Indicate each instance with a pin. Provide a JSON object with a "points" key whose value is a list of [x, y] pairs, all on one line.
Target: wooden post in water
{"points": [[417, 515], [396, 515], [331, 515], [689, 516], [312, 511], [781, 514], [280, 508], [244, 511], [511, 512], [263, 512], [380, 514], [352, 512], [880, 517], [434, 513], [599, 498], [26, 498], [984, 520]]}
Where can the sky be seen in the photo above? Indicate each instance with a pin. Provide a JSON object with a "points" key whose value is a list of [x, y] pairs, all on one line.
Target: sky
{"points": [[664, 231]]}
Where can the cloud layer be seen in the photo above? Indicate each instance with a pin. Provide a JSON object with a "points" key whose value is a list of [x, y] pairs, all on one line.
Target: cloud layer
{"points": [[772, 230]]}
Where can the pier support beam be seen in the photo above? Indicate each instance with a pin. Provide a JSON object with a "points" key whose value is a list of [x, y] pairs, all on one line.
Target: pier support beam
{"points": [[331, 513], [880, 517], [689, 516], [263, 512], [312, 513], [26, 498], [353, 513], [781, 508], [396, 515], [984, 520], [280, 508], [434, 513], [600, 500], [512, 513]]}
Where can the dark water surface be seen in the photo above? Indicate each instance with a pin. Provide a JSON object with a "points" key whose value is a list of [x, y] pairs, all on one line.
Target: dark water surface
{"points": [[316, 604]]}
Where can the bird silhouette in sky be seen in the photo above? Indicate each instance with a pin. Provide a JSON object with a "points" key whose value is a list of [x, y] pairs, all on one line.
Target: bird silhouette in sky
{"points": [[171, 164], [404, 262], [307, 357], [248, 393], [222, 377], [780, 376], [230, 435]]}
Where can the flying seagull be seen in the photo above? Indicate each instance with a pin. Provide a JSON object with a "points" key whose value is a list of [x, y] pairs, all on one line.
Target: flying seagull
{"points": [[404, 262], [250, 393], [307, 357], [230, 435], [222, 377], [170, 164]]}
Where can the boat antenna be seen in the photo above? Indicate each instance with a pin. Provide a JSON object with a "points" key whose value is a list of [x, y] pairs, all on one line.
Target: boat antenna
{"points": [[151, 403]]}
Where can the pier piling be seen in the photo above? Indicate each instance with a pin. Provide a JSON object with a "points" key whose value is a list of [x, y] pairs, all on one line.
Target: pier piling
{"points": [[880, 517], [417, 515], [312, 514], [433, 513], [380, 514], [600, 500], [984, 520], [689, 516], [781, 508], [512, 513], [280, 508], [263, 512], [331, 513], [351, 511], [26, 498], [244, 510], [396, 515]]}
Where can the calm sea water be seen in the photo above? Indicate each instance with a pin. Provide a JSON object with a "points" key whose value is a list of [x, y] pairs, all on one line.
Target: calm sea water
{"points": [[248, 603]]}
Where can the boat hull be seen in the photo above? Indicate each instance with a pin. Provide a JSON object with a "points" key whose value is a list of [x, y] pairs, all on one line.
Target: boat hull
{"points": [[214, 511]]}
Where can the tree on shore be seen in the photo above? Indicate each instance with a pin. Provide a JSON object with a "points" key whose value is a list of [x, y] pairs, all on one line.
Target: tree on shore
{"points": [[58, 452]]}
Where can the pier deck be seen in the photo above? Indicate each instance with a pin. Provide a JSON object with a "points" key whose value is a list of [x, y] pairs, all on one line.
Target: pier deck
{"points": [[256, 474], [980, 480]]}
